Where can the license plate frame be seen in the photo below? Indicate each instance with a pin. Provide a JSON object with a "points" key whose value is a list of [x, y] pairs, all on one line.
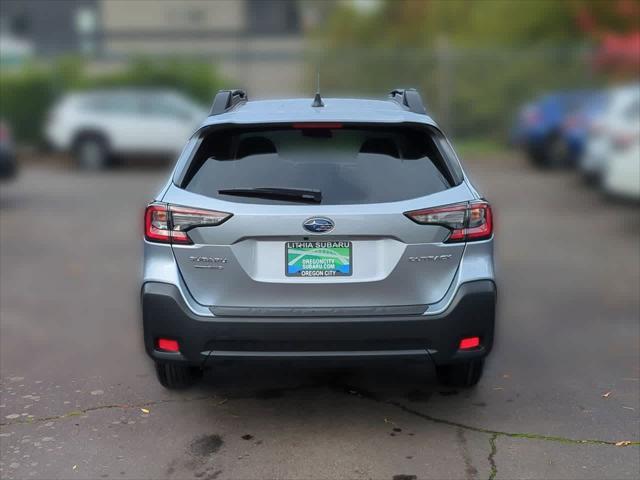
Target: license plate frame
{"points": [[318, 258]]}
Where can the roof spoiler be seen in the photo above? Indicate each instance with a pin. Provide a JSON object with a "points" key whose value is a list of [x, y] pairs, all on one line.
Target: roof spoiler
{"points": [[408, 98], [225, 100]]}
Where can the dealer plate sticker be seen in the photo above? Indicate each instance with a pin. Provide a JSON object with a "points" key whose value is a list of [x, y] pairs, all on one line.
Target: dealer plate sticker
{"points": [[318, 259]]}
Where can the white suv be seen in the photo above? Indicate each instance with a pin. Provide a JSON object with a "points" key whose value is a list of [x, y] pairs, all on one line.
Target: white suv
{"points": [[613, 133], [96, 125]]}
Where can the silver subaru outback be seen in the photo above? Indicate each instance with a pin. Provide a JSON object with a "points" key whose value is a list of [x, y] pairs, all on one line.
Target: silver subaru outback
{"points": [[334, 229]]}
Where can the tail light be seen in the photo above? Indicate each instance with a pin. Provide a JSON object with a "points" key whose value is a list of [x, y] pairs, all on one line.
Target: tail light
{"points": [[468, 221], [622, 141], [573, 121], [169, 223], [532, 116]]}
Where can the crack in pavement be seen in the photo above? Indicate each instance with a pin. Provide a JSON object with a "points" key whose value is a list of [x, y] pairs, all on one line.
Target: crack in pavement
{"points": [[494, 434], [488, 431], [348, 390], [82, 411], [492, 456], [362, 394]]}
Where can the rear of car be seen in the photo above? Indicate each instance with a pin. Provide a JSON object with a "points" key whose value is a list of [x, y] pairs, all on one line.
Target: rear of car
{"points": [[347, 231], [621, 174], [577, 126], [612, 133], [542, 130]]}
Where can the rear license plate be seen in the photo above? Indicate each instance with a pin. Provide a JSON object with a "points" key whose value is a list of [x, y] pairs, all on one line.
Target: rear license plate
{"points": [[318, 259]]}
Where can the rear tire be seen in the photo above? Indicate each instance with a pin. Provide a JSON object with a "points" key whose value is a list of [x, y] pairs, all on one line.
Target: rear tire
{"points": [[535, 155], [91, 152], [463, 375], [552, 152], [176, 377], [557, 151]]}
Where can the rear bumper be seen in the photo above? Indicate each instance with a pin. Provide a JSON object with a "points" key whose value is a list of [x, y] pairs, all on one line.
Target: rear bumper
{"points": [[471, 313], [622, 177]]}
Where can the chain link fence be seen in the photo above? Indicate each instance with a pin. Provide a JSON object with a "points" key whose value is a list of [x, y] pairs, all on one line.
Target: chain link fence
{"points": [[471, 92]]}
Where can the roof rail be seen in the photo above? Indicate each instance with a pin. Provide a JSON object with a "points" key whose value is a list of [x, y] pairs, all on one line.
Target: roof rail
{"points": [[409, 98], [225, 100]]}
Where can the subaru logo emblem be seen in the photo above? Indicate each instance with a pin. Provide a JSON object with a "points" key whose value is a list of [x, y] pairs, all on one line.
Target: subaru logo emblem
{"points": [[318, 225]]}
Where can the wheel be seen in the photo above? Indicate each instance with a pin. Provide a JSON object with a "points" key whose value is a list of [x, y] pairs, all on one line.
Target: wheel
{"points": [[592, 178], [536, 155], [557, 151], [91, 152], [176, 377], [464, 375], [552, 152]]}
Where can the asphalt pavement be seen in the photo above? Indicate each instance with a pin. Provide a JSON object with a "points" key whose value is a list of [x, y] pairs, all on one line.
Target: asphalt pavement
{"points": [[79, 398]]}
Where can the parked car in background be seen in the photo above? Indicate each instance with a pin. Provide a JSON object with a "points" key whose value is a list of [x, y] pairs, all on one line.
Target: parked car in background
{"points": [[541, 128], [576, 127], [621, 176], [612, 133], [96, 126], [8, 163]]}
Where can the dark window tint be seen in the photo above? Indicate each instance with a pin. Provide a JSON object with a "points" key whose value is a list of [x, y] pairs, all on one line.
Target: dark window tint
{"points": [[349, 165]]}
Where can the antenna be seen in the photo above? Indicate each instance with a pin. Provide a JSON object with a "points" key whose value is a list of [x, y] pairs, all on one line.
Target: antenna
{"points": [[317, 100]]}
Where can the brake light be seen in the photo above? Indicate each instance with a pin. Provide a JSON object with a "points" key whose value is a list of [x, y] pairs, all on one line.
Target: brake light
{"points": [[622, 141], [468, 221], [169, 223], [307, 125], [573, 121], [532, 116]]}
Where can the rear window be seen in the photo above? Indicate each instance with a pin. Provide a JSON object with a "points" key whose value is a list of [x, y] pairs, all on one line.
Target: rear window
{"points": [[348, 164]]}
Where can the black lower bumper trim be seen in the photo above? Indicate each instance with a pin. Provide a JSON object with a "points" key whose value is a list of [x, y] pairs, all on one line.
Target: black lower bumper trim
{"points": [[471, 313]]}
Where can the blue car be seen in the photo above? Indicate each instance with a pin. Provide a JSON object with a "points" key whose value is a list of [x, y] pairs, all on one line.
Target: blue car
{"points": [[577, 127], [549, 131]]}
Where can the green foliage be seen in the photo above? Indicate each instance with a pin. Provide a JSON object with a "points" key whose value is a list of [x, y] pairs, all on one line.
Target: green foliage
{"points": [[196, 79], [24, 100], [27, 94], [475, 62]]}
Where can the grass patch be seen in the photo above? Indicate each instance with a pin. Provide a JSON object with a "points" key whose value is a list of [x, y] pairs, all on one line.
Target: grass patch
{"points": [[479, 146]]}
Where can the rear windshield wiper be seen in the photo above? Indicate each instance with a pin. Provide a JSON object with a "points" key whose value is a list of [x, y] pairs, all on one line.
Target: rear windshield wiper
{"points": [[288, 194]]}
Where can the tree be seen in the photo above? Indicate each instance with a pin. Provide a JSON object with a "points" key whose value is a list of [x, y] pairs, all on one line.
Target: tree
{"points": [[475, 61]]}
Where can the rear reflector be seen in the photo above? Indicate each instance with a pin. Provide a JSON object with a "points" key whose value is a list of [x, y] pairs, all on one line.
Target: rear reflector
{"points": [[470, 342], [467, 221], [167, 345], [169, 223]]}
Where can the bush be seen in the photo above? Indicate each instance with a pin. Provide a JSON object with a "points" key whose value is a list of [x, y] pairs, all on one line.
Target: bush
{"points": [[197, 80], [26, 95]]}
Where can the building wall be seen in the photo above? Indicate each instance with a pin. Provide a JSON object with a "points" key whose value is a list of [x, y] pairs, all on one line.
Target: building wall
{"points": [[148, 17], [258, 44]]}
